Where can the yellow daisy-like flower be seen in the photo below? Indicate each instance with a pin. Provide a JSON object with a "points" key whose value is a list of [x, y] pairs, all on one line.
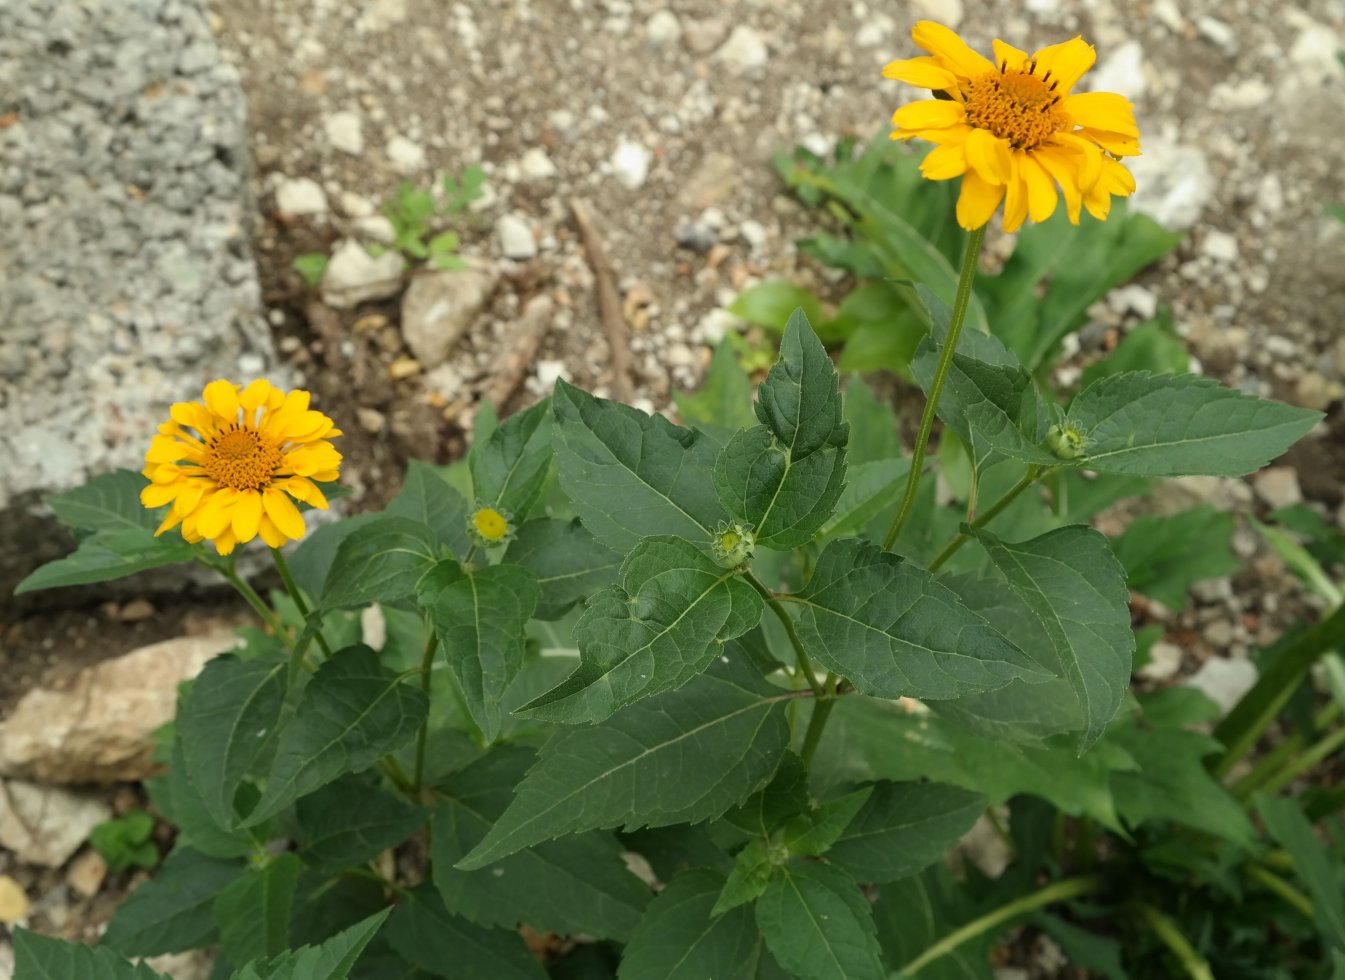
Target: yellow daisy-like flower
{"points": [[232, 480], [489, 527], [1012, 131]]}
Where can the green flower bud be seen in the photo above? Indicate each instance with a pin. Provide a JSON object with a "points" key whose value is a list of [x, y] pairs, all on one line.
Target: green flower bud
{"points": [[1066, 442], [732, 545]]}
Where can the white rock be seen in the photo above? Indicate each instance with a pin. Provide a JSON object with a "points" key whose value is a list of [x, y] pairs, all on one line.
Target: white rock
{"points": [[1122, 72], [1219, 32], [1167, 13], [1247, 93], [536, 165], [876, 30], [1219, 246], [744, 52], [1165, 659], [1173, 183], [376, 228], [298, 196], [515, 236], [946, 12], [354, 276], [549, 371], [356, 205], [985, 848], [630, 163], [405, 156], [1278, 487], [663, 29], [373, 627], [99, 728], [196, 964], [716, 323], [1143, 302], [344, 132], [45, 825], [440, 308], [754, 233], [1314, 54], [1224, 681]]}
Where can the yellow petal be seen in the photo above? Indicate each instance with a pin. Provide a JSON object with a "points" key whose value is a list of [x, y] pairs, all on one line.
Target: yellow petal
{"points": [[939, 137], [929, 114], [225, 542], [1041, 193], [1065, 62], [156, 495], [216, 513], [1089, 160], [303, 488], [168, 523], [944, 44], [922, 73], [1015, 196], [311, 459], [988, 156], [190, 496], [221, 397], [247, 514], [193, 415], [1098, 202], [271, 534], [1062, 165], [1116, 179], [283, 513], [945, 162], [1103, 110], [1114, 143], [1007, 57], [978, 201], [254, 396], [326, 476]]}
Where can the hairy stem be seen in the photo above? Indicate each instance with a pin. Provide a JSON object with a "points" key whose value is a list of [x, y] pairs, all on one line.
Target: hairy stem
{"points": [[422, 737], [1269, 879], [250, 595], [297, 596], [805, 665], [817, 722], [959, 314], [1033, 474]]}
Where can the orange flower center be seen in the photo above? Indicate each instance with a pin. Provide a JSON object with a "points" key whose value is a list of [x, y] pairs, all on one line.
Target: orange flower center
{"points": [[1016, 105], [242, 458]]}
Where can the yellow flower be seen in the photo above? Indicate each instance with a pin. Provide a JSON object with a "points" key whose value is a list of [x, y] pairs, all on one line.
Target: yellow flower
{"points": [[489, 527], [232, 480], [1012, 130]]}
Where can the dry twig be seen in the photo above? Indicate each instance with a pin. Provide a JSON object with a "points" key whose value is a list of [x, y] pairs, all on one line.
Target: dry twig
{"points": [[609, 301], [521, 350]]}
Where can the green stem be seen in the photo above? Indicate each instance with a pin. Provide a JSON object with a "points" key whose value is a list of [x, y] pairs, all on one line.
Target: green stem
{"points": [[1033, 474], [959, 313], [1057, 892], [1273, 761], [422, 737], [250, 594], [1280, 887], [1323, 804], [992, 815], [1315, 754], [394, 771], [297, 597], [817, 723], [805, 665], [1168, 933], [1253, 714]]}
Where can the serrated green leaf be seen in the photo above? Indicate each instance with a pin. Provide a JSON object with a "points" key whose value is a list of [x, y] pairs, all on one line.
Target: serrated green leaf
{"points": [[1183, 425], [1164, 555], [903, 828], [752, 870], [874, 435], [380, 562], [812, 833], [800, 400], [1076, 588], [785, 499], [869, 488], [350, 822], [312, 560], [42, 958], [916, 912], [679, 938], [108, 502], [253, 913], [332, 960], [480, 618], [568, 562], [1152, 346], [771, 303], [683, 756], [353, 712], [180, 803], [1321, 872], [108, 555], [125, 841], [508, 470], [818, 925], [423, 932], [664, 626], [893, 631], [427, 498], [227, 729], [783, 797], [632, 475], [723, 403], [171, 912], [1086, 949], [578, 884]]}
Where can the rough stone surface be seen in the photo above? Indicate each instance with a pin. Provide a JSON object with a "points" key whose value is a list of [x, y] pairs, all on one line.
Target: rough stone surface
{"points": [[1224, 681], [354, 276], [516, 239], [1278, 486], [440, 307], [301, 196], [44, 824], [99, 728]]}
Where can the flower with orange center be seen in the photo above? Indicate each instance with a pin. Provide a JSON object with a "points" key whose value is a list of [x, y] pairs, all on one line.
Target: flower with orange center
{"points": [[1012, 130], [232, 479]]}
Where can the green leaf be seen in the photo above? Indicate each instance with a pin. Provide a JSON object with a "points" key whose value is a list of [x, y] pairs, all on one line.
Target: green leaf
{"points": [[568, 562], [108, 502], [509, 469], [679, 938], [1085, 949], [179, 802], [869, 489], [800, 400], [312, 560], [661, 628], [1320, 871], [874, 434], [579, 884], [109, 555], [893, 631], [771, 303], [632, 475], [723, 403], [227, 728], [125, 842], [1152, 346], [752, 870], [311, 266], [1164, 425], [41, 958], [913, 914], [332, 960], [352, 713], [683, 756], [171, 912], [479, 619], [423, 932], [1076, 588], [884, 345], [350, 822], [903, 828], [784, 498], [380, 562], [426, 498], [1165, 555], [253, 913], [445, 241], [819, 925]]}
